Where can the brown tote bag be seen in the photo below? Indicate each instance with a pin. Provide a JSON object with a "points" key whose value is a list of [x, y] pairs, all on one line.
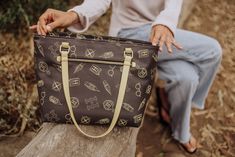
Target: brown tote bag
{"points": [[93, 80]]}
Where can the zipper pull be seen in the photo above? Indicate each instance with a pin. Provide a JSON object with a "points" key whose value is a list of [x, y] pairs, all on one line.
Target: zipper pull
{"points": [[129, 53]]}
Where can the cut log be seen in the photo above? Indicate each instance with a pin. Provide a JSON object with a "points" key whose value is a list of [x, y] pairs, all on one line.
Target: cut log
{"points": [[64, 140]]}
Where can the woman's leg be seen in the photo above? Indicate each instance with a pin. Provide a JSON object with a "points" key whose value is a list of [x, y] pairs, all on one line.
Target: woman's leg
{"points": [[204, 53], [182, 80], [188, 73]]}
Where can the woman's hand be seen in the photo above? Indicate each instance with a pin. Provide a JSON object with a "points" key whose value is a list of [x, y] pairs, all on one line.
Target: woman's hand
{"points": [[162, 35], [52, 19]]}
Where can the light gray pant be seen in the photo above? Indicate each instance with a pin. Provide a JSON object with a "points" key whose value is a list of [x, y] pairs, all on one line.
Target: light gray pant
{"points": [[188, 73]]}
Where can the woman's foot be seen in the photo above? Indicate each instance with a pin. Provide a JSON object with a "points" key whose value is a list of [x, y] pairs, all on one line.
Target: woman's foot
{"points": [[191, 146], [165, 115], [163, 106]]}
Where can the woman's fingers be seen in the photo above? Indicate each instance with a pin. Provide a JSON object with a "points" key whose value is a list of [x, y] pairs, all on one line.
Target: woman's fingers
{"points": [[156, 39], [162, 41], [170, 41], [177, 45], [55, 24], [49, 29], [168, 44], [38, 30], [33, 28], [162, 35], [52, 19], [44, 19], [42, 25]]}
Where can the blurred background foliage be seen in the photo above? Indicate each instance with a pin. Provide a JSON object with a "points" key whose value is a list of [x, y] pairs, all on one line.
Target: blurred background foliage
{"points": [[18, 93], [17, 15]]}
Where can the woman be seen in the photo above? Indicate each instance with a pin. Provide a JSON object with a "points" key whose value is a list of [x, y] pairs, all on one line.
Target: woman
{"points": [[188, 70]]}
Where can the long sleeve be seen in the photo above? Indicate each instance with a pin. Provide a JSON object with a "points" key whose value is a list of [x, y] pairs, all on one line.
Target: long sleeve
{"points": [[88, 12], [169, 16]]}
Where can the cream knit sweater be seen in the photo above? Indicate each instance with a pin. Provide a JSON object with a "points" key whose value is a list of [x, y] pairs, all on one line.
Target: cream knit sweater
{"points": [[128, 13]]}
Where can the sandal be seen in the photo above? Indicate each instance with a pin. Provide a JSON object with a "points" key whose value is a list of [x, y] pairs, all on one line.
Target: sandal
{"points": [[163, 109], [189, 150]]}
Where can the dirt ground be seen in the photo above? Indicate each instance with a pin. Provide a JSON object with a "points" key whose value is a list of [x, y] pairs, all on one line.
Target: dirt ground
{"points": [[214, 126]]}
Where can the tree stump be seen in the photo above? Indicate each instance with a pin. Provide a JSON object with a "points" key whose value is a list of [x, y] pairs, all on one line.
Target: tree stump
{"points": [[64, 140]]}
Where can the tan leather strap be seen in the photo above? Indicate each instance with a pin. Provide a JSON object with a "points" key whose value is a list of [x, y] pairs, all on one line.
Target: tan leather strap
{"points": [[121, 92]]}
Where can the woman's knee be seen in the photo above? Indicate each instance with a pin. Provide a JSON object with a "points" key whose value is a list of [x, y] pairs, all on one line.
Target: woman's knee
{"points": [[215, 48], [191, 80]]}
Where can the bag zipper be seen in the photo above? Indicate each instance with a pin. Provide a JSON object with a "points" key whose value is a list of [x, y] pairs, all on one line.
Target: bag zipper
{"points": [[133, 64]]}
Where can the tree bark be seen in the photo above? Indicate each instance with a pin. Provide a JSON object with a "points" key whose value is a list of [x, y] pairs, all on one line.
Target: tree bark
{"points": [[64, 140]]}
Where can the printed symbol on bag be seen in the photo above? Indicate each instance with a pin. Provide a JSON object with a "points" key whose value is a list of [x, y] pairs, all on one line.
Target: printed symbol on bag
{"points": [[138, 87], [111, 70], [98, 37], [79, 36], [121, 68], [117, 85], [52, 34], [103, 121], [85, 120], [42, 99], [78, 68], [143, 53], [52, 116], [142, 104], [128, 89], [43, 67], [56, 86], [108, 105], [95, 70], [142, 72], [68, 119], [107, 87], [91, 86], [75, 102], [54, 100], [92, 103], [128, 107], [58, 67], [153, 72], [40, 83], [73, 51], [148, 89], [138, 118], [155, 57], [107, 55], [74, 82], [118, 44], [40, 48], [68, 34], [111, 40], [89, 53], [122, 122], [54, 48]]}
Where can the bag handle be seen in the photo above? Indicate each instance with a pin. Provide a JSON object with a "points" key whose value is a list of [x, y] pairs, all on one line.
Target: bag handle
{"points": [[128, 55]]}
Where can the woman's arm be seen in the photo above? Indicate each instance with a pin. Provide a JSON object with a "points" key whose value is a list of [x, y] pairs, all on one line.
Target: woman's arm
{"points": [[88, 12], [79, 18], [164, 26], [170, 15]]}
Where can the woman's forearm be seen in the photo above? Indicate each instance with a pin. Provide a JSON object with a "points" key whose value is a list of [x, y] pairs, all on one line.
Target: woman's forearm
{"points": [[170, 15], [88, 12]]}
